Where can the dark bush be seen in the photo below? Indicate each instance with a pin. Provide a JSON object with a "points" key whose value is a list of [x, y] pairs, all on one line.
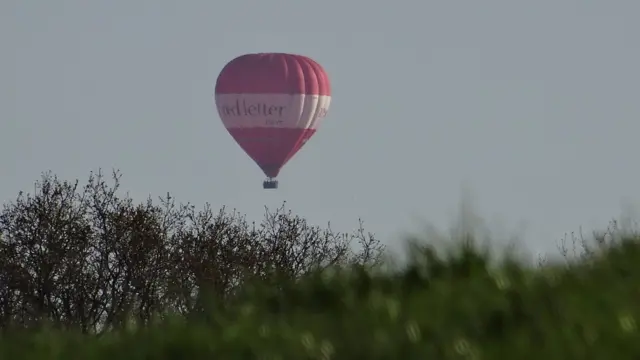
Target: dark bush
{"points": [[89, 259]]}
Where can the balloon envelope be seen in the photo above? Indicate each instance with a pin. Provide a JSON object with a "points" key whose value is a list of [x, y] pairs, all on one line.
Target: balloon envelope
{"points": [[272, 103]]}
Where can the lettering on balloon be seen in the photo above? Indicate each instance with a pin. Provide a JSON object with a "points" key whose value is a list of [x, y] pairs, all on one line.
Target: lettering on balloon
{"points": [[267, 113], [243, 108], [274, 121], [322, 112]]}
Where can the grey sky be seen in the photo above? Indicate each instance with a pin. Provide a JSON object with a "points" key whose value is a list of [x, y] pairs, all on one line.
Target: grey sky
{"points": [[532, 105]]}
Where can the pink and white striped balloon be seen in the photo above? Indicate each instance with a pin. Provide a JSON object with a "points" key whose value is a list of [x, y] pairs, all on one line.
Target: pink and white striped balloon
{"points": [[272, 103]]}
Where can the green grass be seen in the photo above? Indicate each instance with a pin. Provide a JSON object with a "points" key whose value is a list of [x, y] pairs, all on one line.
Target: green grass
{"points": [[462, 306]]}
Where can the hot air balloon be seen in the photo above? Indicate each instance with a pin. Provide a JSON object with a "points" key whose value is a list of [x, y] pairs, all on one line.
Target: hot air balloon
{"points": [[272, 104]]}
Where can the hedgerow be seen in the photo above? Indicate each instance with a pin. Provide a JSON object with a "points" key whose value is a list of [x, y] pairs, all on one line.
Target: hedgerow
{"points": [[458, 304]]}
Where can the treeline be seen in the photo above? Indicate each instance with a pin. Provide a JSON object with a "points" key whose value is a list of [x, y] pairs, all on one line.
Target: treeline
{"points": [[458, 305], [88, 274], [84, 257]]}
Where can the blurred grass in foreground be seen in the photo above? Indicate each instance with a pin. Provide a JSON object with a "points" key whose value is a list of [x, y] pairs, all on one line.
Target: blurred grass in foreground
{"points": [[461, 305]]}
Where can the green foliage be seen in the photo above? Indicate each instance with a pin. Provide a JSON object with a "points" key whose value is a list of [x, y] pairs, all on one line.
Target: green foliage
{"points": [[463, 305], [86, 274], [85, 257]]}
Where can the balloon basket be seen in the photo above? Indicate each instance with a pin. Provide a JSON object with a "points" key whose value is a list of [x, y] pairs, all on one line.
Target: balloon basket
{"points": [[270, 184]]}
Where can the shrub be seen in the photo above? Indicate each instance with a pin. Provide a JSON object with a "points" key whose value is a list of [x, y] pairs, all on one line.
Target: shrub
{"points": [[86, 258]]}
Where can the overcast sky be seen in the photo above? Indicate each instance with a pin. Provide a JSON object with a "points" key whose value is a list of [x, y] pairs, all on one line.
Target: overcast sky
{"points": [[532, 106]]}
